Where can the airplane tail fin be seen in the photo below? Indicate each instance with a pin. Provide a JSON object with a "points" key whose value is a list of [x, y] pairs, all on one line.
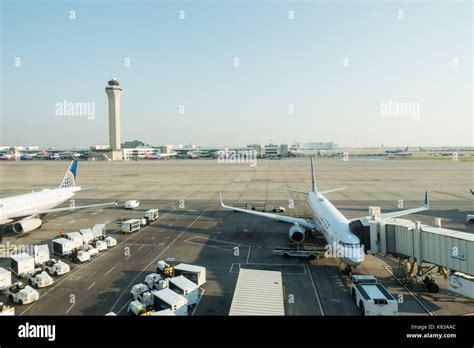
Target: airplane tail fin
{"points": [[69, 179], [313, 178]]}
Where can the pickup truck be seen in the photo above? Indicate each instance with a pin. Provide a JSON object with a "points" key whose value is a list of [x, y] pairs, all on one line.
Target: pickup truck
{"points": [[371, 297]]}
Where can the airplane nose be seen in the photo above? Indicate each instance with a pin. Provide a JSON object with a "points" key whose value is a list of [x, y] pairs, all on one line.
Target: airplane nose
{"points": [[353, 262]]}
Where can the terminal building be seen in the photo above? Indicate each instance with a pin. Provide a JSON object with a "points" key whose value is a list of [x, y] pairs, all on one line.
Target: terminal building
{"points": [[314, 149]]}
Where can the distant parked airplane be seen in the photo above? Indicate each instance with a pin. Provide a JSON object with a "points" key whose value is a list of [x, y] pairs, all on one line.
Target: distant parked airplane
{"points": [[397, 151], [157, 156]]}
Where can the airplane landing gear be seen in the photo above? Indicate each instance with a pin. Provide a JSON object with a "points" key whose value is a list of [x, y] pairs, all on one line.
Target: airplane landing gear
{"points": [[347, 271]]}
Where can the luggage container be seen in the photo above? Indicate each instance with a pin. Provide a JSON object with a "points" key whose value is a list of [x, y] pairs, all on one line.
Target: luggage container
{"points": [[196, 274], [76, 237], [5, 278], [185, 288], [22, 264], [87, 235], [168, 299], [99, 231], [63, 246], [40, 253]]}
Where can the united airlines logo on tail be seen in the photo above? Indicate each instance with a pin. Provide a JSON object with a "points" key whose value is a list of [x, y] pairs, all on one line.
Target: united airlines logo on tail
{"points": [[70, 177]]}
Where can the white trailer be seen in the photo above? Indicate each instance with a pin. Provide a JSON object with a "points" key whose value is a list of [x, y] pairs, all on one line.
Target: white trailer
{"points": [[76, 237], [5, 278], [99, 230], [87, 235], [168, 299], [63, 246], [151, 215], [130, 225], [196, 274], [40, 253], [185, 288], [371, 297], [22, 264]]}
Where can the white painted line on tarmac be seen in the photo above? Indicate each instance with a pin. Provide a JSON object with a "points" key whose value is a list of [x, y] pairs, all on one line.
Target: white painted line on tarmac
{"points": [[110, 270], [315, 291], [91, 286], [69, 308]]}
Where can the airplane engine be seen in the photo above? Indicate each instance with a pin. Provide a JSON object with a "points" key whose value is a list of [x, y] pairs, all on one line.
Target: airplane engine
{"points": [[296, 234], [27, 225]]}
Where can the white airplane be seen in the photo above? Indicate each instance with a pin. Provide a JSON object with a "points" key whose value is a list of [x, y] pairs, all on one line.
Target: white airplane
{"points": [[328, 220], [31, 207], [158, 156]]}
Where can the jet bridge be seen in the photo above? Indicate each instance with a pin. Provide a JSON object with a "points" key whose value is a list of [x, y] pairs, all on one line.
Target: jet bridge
{"points": [[450, 250]]}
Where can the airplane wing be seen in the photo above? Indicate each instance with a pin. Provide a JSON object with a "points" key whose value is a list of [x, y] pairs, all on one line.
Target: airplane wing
{"points": [[395, 214], [58, 210], [305, 192], [288, 219]]}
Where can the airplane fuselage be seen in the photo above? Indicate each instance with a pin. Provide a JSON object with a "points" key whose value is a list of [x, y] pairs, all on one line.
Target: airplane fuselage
{"points": [[31, 203], [335, 228]]}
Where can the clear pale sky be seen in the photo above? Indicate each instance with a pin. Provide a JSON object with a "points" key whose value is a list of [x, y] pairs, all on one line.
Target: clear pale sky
{"points": [[424, 58]]}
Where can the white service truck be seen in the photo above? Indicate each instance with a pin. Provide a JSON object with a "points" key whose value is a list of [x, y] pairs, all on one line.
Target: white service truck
{"points": [[21, 294], [80, 256], [100, 245], [56, 267], [132, 204], [371, 297], [40, 279], [90, 249]]}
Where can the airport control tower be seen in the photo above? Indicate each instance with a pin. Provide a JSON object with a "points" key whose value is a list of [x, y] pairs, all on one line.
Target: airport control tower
{"points": [[114, 91]]}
